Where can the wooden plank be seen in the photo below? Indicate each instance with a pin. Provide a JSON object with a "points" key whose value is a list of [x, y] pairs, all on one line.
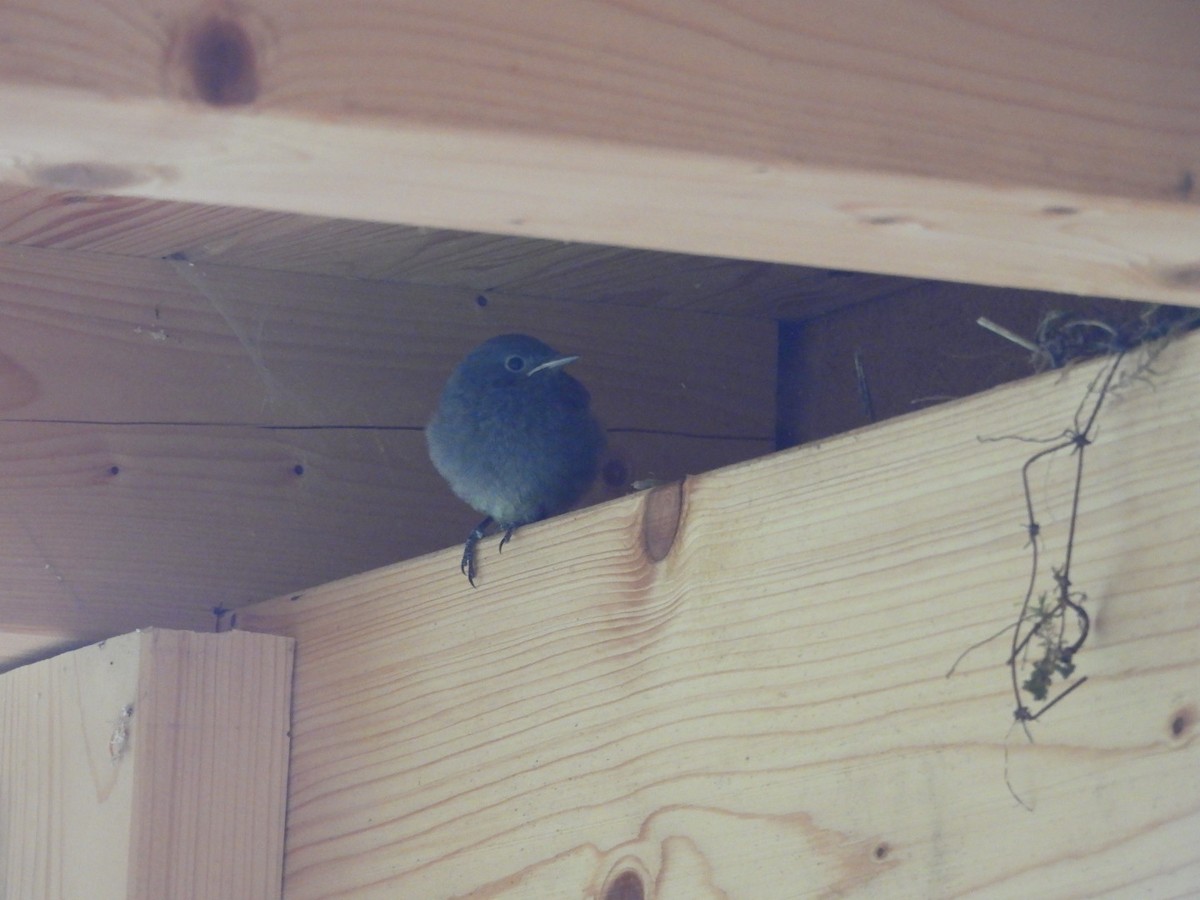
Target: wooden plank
{"points": [[1014, 143], [113, 527], [740, 689], [552, 270], [150, 765], [110, 339]]}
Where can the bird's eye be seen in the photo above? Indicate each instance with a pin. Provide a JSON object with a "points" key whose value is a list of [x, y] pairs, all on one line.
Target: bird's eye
{"points": [[514, 363]]}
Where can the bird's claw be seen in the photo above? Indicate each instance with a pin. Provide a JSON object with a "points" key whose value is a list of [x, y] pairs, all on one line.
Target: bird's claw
{"points": [[504, 540], [467, 566]]}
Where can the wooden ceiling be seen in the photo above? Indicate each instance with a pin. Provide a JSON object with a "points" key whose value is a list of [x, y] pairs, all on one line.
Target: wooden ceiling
{"points": [[488, 263]]}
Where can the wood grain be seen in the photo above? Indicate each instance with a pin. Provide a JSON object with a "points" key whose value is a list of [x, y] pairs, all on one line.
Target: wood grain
{"points": [[1038, 94], [109, 528], [104, 338], [1014, 143], [486, 263], [766, 711], [151, 765]]}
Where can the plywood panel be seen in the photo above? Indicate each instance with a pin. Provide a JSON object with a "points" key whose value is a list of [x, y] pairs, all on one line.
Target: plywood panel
{"points": [[750, 698], [1012, 143]]}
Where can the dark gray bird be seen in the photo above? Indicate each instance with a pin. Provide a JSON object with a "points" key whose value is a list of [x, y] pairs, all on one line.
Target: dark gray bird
{"points": [[513, 436]]}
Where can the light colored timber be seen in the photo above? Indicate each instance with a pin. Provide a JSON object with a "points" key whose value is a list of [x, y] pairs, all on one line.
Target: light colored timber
{"points": [[486, 263], [765, 710], [150, 765], [196, 517], [1013, 143]]}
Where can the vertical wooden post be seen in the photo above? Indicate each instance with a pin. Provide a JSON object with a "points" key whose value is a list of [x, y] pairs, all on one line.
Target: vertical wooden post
{"points": [[152, 765]]}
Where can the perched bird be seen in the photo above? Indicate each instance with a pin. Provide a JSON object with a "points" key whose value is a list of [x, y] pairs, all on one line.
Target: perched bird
{"points": [[513, 436]]}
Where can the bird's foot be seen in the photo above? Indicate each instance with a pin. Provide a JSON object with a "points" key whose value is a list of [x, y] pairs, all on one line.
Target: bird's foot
{"points": [[504, 540], [467, 566]]}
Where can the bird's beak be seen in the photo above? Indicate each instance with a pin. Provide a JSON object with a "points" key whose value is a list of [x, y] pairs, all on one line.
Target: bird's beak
{"points": [[552, 364]]}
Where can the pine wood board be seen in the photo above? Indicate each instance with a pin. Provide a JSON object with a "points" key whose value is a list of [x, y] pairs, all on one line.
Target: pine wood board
{"points": [[765, 711], [150, 765], [1021, 144], [110, 528], [103, 338], [514, 266], [1039, 94]]}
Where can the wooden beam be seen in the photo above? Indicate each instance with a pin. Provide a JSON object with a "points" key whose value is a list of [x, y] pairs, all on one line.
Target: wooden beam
{"points": [[150, 765], [738, 686], [1013, 143], [485, 263]]}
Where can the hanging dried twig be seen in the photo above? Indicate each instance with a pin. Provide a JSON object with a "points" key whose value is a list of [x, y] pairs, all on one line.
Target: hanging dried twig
{"points": [[1053, 625]]}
